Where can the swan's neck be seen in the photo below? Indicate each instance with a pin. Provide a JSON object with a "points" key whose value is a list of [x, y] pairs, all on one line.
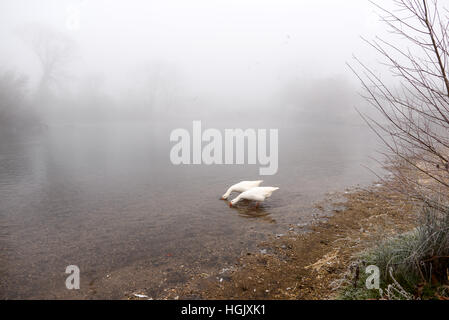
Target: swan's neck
{"points": [[237, 199], [228, 193]]}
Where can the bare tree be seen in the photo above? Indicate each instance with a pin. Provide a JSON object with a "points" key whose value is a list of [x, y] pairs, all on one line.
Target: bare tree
{"points": [[415, 111], [53, 49]]}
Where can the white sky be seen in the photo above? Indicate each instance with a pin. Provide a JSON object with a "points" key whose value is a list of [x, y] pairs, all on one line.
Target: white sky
{"points": [[250, 44]]}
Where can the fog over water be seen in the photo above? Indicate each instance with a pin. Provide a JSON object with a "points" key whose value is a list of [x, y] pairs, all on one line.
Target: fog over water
{"points": [[90, 92]]}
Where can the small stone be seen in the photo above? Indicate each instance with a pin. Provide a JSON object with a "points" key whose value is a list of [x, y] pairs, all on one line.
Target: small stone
{"points": [[279, 235]]}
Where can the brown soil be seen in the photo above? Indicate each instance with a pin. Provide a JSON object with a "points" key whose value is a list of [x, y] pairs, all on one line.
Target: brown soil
{"points": [[312, 265]]}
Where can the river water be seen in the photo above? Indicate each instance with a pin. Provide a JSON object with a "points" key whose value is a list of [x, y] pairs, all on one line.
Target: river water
{"points": [[106, 196]]}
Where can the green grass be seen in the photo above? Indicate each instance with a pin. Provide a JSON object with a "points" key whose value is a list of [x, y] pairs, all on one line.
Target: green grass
{"points": [[409, 264]]}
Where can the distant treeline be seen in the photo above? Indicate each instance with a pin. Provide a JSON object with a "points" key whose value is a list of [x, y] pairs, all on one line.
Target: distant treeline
{"points": [[16, 112]]}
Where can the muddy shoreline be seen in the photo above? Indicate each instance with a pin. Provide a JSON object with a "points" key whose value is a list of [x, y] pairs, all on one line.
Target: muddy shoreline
{"points": [[311, 265], [310, 261]]}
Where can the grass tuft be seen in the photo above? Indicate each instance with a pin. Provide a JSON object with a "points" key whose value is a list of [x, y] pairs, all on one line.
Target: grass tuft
{"points": [[413, 265]]}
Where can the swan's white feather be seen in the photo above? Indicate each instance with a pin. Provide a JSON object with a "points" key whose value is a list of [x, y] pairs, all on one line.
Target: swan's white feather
{"points": [[258, 194], [242, 186]]}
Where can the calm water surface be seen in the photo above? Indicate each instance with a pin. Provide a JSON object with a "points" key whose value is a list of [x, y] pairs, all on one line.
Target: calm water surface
{"points": [[103, 197]]}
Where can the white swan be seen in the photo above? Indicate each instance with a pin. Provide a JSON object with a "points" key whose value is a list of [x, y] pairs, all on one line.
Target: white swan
{"points": [[242, 186], [258, 194]]}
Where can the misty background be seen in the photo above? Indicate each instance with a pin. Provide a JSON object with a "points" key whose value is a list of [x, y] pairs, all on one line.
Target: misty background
{"points": [[86, 110], [89, 61]]}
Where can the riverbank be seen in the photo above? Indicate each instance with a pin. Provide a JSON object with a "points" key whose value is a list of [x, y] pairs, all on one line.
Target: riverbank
{"points": [[312, 265]]}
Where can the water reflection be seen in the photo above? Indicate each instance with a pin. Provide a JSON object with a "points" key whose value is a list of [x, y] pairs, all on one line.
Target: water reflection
{"points": [[106, 196]]}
